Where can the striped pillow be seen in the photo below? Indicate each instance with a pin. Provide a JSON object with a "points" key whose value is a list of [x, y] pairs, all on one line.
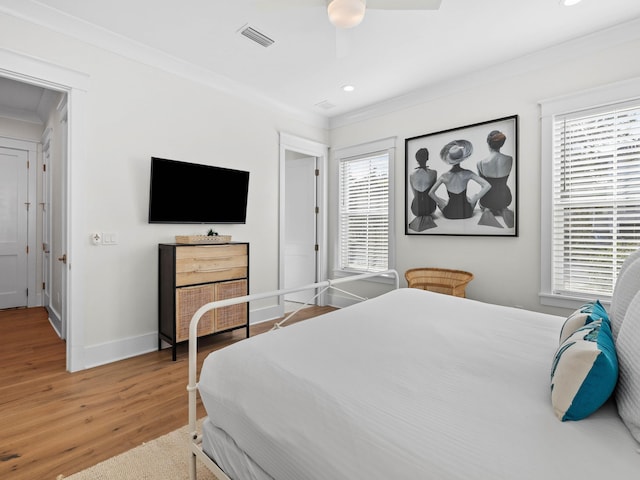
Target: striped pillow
{"points": [[584, 371], [586, 314], [627, 286]]}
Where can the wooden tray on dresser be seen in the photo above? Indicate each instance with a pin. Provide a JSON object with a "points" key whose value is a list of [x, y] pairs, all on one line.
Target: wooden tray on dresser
{"points": [[202, 239]]}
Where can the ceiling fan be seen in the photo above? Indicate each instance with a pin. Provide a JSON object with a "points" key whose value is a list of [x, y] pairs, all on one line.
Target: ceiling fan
{"points": [[346, 14], [349, 13]]}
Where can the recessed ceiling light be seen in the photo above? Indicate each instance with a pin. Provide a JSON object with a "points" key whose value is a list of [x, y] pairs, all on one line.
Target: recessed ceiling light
{"points": [[569, 3], [348, 88]]}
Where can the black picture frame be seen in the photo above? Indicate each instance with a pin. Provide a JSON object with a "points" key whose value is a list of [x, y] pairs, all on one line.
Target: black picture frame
{"points": [[474, 162]]}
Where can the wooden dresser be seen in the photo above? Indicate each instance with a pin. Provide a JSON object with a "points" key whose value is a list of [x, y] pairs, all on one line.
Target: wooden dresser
{"points": [[192, 275]]}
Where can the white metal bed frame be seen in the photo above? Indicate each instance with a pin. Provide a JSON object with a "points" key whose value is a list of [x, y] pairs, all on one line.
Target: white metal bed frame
{"points": [[195, 443]]}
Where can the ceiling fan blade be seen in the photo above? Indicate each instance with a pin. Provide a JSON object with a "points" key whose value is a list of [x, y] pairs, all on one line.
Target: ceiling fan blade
{"points": [[404, 4]]}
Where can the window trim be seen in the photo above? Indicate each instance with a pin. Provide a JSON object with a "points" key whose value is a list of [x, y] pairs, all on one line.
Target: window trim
{"points": [[619, 92], [385, 145]]}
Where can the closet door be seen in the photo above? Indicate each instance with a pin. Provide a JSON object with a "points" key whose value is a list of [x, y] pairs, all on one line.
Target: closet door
{"points": [[14, 214]]}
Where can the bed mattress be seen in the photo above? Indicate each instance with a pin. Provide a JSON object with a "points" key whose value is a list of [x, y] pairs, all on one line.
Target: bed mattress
{"points": [[411, 384]]}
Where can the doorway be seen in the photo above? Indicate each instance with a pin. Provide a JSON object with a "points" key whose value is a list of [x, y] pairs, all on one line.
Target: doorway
{"points": [[300, 238], [303, 216], [31, 220], [74, 86]]}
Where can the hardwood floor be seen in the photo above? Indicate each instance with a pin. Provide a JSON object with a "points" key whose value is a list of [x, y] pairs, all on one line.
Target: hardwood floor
{"points": [[53, 422]]}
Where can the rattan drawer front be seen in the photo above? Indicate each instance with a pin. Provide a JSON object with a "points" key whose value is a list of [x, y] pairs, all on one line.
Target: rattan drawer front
{"points": [[202, 264], [234, 315], [188, 300]]}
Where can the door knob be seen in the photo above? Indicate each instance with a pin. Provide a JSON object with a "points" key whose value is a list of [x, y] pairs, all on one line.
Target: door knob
{"points": [[63, 258]]}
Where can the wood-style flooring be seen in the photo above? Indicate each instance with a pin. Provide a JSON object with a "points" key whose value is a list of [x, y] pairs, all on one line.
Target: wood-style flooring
{"points": [[53, 422]]}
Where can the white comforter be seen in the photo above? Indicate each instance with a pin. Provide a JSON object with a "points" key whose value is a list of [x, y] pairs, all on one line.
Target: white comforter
{"points": [[409, 385]]}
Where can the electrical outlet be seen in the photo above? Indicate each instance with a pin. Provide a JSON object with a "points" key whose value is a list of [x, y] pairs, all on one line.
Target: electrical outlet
{"points": [[96, 238]]}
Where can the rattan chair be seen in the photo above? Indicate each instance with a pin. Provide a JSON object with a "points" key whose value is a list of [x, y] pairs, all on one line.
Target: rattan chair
{"points": [[440, 280]]}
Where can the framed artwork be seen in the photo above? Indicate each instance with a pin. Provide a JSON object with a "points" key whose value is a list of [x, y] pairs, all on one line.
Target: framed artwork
{"points": [[463, 181]]}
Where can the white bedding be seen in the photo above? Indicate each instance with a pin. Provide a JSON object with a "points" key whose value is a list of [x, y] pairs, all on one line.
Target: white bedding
{"points": [[409, 385]]}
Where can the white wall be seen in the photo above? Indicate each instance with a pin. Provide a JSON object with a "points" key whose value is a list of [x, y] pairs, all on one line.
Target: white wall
{"points": [[507, 270], [135, 111]]}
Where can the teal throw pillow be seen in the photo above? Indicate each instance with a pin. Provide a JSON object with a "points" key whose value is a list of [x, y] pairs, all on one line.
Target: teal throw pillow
{"points": [[586, 314], [584, 371]]}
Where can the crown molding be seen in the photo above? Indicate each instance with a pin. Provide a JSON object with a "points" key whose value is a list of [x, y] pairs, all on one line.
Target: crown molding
{"points": [[53, 19], [35, 12], [584, 45]]}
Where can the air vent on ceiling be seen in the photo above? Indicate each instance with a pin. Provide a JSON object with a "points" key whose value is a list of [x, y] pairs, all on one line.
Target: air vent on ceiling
{"points": [[326, 104], [258, 37]]}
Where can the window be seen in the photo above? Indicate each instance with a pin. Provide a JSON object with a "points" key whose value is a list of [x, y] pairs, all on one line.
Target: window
{"points": [[593, 211], [364, 214]]}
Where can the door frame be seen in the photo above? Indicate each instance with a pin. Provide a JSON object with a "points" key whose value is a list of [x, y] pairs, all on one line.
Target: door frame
{"points": [[45, 235], [310, 148], [34, 71]]}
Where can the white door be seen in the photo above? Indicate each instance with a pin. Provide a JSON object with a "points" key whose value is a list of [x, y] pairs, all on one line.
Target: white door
{"points": [[14, 211], [58, 230], [300, 227]]}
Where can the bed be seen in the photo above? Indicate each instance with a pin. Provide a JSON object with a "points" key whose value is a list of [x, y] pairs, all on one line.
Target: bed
{"points": [[410, 384]]}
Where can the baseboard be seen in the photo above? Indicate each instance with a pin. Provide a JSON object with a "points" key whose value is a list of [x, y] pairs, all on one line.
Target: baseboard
{"points": [[109, 352], [340, 301], [265, 314], [55, 320]]}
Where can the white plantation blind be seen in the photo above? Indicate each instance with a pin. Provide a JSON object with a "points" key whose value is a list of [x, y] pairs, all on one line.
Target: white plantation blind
{"points": [[364, 213], [596, 197]]}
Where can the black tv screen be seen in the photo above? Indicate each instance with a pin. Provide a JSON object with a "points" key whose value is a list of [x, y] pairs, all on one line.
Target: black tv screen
{"points": [[183, 192]]}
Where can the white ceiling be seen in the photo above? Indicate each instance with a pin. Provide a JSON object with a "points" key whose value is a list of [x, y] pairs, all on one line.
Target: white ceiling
{"points": [[24, 102], [391, 53]]}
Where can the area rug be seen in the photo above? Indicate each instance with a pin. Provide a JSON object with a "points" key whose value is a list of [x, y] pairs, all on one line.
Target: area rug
{"points": [[165, 458]]}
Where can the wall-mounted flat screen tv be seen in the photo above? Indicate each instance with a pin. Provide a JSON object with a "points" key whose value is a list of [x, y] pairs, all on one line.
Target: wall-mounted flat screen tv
{"points": [[183, 192]]}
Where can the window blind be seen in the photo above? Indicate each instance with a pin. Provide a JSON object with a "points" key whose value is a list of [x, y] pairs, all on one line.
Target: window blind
{"points": [[364, 213], [596, 197]]}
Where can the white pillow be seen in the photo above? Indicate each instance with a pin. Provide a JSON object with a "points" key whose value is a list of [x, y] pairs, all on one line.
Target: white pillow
{"points": [[632, 257], [628, 349], [627, 286]]}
